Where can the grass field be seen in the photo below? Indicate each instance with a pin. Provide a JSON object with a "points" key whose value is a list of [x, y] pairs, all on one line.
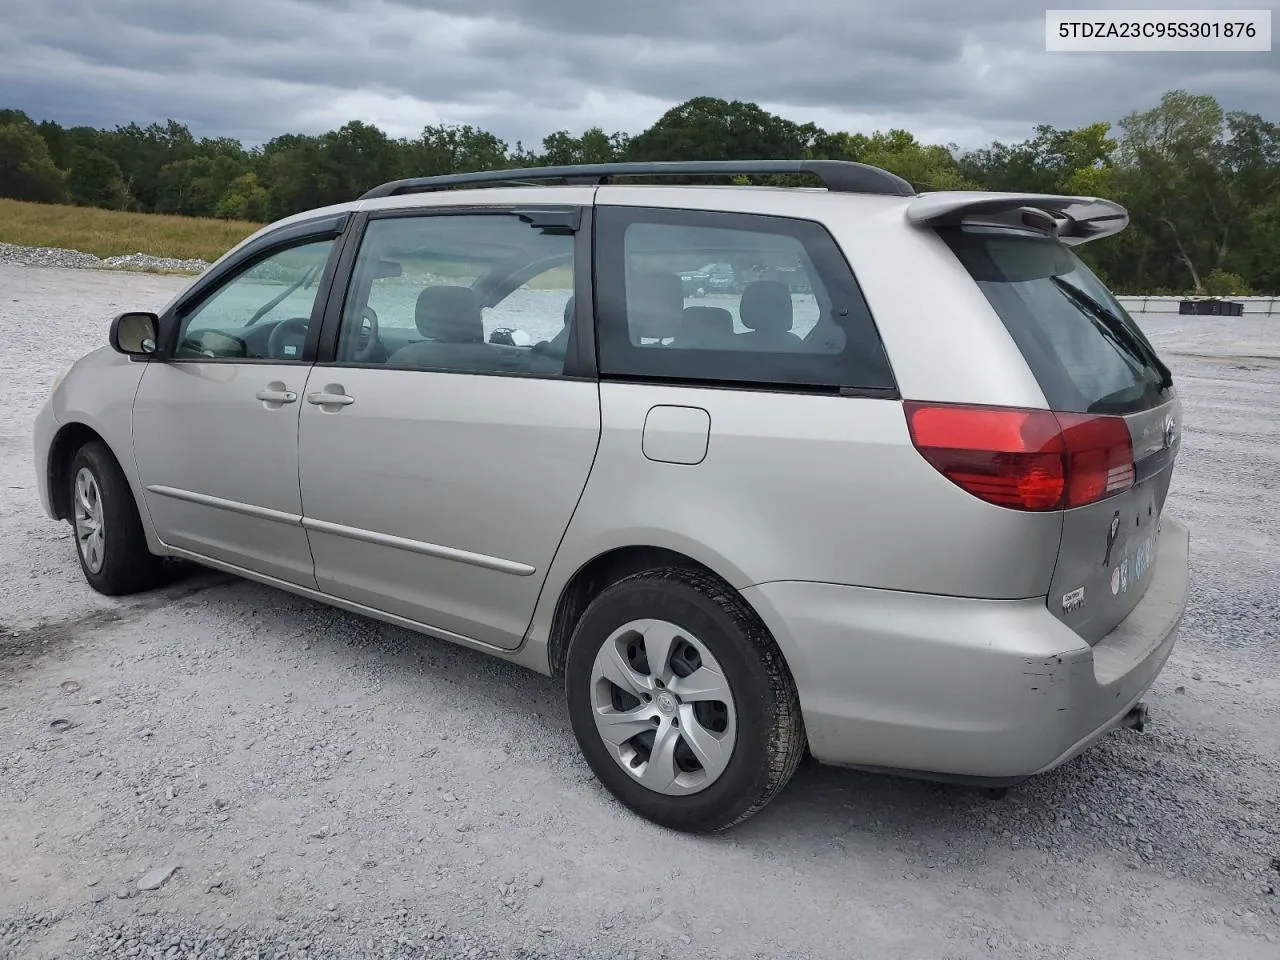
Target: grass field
{"points": [[110, 233]]}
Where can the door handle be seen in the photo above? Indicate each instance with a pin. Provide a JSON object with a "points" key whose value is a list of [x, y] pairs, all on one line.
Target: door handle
{"points": [[330, 399], [276, 396]]}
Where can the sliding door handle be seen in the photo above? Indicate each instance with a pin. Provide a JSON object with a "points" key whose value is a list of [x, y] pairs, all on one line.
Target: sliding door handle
{"points": [[330, 399]]}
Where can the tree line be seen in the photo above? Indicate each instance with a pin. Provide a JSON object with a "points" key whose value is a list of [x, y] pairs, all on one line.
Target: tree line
{"points": [[1202, 184]]}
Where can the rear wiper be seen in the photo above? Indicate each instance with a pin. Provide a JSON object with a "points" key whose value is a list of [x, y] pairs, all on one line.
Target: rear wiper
{"points": [[1133, 343]]}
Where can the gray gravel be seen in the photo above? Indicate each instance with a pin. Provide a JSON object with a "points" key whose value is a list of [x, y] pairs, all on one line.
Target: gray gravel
{"points": [[74, 259], [329, 786]]}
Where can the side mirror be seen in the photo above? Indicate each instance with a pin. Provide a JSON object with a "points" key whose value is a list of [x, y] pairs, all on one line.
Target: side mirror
{"points": [[134, 334]]}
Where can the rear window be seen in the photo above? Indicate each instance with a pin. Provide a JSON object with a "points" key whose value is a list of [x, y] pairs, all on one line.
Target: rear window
{"points": [[1085, 350]]}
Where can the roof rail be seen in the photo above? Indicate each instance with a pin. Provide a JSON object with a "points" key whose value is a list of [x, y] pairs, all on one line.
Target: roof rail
{"points": [[838, 176]]}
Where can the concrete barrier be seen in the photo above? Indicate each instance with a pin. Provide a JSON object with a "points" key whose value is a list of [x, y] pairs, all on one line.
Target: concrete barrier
{"points": [[1253, 306]]}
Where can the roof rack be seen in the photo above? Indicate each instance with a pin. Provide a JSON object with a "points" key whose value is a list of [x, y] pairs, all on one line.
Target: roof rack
{"points": [[838, 176]]}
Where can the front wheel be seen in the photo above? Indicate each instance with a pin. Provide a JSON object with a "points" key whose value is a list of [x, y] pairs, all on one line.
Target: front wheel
{"points": [[109, 539], [681, 701]]}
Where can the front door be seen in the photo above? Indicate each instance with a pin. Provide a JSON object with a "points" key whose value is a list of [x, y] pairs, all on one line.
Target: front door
{"points": [[443, 450], [215, 423]]}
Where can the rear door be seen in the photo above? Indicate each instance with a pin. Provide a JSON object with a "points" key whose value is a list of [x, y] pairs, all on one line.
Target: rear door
{"points": [[439, 468], [1091, 359]]}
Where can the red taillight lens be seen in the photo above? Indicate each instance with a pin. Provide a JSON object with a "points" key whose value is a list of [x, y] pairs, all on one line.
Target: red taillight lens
{"points": [[1024, 459], [1101, 457]]}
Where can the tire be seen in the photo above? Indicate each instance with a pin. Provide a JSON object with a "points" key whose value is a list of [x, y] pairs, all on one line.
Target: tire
{"points": [[117, 562], [761, 719]]}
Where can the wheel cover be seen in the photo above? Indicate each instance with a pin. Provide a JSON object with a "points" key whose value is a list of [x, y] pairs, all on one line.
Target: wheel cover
{"points": [[663, 707], [90, 530]]}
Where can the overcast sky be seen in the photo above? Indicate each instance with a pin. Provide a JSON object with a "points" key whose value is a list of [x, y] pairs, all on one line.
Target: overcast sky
{"points": [[964, 71]]}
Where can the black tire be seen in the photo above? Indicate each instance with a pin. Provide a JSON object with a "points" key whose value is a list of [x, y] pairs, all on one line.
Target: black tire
{"points": [[127, 565], [770, 731]]}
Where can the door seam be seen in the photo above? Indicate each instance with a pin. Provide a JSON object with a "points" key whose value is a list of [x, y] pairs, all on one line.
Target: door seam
{"points": [[302, 503]]}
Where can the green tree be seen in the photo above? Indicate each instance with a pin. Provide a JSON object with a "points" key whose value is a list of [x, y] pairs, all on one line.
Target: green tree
{"points": [[445, 148], [18, 117], [58, 141], [95, 180], [1046, 163], [305, 172], [195, 187], [289, 169], [27, 171], [1263, 268], [926, 167], [142, 152], [707, 128], [245, 199], [1220, 283], [1175, 182], [594, 146]]}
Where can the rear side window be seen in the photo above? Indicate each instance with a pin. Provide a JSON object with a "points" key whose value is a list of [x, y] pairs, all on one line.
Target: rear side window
{"points": [[731, 299], [1084, 349]]}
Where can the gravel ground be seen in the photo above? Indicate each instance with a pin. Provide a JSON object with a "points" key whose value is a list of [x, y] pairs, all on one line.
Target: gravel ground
{"points": [[294, 781], [74, 259]]}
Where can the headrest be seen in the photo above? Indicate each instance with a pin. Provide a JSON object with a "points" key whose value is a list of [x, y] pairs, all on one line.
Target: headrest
{"points": [[766, 307], [449, 315], [569, 308], [703, 322], [655, 304]]}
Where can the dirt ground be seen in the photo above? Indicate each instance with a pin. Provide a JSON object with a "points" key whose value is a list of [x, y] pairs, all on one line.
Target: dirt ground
{"points": [[327, 786]]}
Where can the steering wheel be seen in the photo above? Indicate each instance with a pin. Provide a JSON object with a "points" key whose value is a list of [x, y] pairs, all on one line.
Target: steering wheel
{"points": [[371, 346], [289, 327]]}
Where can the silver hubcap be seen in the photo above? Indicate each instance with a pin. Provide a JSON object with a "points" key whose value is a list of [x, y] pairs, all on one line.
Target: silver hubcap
{"points": [[88, 518], [663, 706]]}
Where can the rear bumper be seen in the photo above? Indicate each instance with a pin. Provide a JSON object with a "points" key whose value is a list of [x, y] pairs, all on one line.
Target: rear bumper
{"points": [[965, 689]]}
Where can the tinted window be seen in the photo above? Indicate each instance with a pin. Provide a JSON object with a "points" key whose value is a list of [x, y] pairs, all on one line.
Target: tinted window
{"points": [[262, 313], [1083, 347], [731, 298], [484, 293]]}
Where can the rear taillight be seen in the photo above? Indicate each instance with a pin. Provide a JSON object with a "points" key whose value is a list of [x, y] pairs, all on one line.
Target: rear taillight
{"points": [[1024, 459]]}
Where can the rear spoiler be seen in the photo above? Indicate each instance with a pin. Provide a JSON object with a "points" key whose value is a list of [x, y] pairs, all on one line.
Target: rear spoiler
{"points": [[1075, 219]]}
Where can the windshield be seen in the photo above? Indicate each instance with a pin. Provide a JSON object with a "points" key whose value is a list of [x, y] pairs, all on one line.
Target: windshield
{"points": [[1086, 352]]}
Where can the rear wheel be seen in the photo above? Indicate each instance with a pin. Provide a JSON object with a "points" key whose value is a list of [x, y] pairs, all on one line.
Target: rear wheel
{"points": [[681, 701], [109, 540]]}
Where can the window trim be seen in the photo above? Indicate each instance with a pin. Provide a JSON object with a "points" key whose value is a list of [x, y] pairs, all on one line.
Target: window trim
{"points": [[334, 227], [580, 360], [612, 222]]}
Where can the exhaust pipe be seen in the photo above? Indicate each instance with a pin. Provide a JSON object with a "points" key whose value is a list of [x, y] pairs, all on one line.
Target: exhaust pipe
{"points": [[1136, 718]]}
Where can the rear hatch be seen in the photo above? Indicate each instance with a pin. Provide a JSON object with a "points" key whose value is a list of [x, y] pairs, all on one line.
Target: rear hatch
{"points": [[1101, 377]]}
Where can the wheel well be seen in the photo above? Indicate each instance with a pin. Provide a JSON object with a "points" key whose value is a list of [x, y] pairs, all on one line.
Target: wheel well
{"points": [[593, 578], [68, 440]]}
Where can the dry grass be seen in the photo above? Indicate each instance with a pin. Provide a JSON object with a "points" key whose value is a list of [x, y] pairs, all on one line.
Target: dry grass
{"points": [[110, 233], [557, 278]]}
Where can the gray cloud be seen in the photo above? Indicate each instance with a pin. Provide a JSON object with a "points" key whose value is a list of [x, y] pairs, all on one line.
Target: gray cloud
{"points": [[962, 70]]}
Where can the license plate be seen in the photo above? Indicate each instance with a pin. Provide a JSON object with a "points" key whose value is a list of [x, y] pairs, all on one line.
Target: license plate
{"points": [[1139, 558]]}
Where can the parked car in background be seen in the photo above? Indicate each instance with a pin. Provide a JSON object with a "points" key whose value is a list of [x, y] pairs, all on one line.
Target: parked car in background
{"points": [[713, 278], [842, 523]]}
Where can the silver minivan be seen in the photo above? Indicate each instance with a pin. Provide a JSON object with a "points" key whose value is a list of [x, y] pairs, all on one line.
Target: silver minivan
{"points": [[895, 499]]}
